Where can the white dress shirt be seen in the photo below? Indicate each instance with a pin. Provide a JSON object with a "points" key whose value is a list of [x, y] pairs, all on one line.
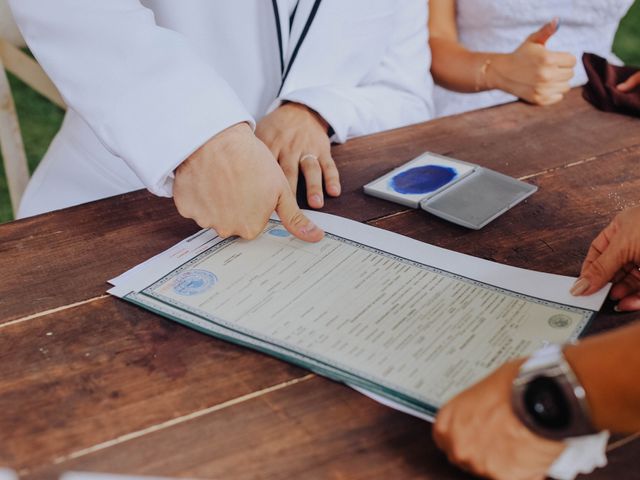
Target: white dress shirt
{"points": [[148, 82]]}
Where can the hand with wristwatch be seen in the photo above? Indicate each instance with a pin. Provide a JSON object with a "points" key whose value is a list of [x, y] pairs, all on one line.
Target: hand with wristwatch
{"points": [[515, 423], [548, 398]]}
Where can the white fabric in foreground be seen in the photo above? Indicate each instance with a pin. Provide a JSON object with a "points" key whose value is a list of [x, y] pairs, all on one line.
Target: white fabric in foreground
{"points": [[582, 455]]}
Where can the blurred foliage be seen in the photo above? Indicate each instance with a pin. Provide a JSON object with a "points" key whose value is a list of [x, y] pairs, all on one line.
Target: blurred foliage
{"points": [[627, 42]]}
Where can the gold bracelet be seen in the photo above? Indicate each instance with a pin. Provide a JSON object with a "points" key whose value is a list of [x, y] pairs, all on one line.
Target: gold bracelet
{"points": [[481, 78]]}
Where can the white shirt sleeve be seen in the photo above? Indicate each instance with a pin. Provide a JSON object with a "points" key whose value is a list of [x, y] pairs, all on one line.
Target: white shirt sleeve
{"points": [[396, 93], [144, 91]]}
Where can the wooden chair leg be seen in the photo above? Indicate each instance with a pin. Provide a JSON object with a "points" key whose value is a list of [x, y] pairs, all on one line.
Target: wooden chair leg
{"points": [[29, 71], [11, 145]]}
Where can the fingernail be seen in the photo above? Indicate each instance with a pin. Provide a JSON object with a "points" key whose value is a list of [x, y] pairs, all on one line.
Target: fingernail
{"points": [[581, 286], [333, 190], [308, 228], [616, 308], [316, 200]]}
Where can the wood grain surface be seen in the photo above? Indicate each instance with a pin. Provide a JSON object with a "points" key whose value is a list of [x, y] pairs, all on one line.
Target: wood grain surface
{"points": [[88, 382]]}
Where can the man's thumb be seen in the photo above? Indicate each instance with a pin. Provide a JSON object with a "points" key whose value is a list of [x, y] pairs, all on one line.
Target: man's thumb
{"points": [[545, 33], [294, 220], [596, 274]]}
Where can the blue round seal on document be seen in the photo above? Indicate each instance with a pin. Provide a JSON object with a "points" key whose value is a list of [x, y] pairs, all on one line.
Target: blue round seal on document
{"points": [[279, 232], [194, 282]]}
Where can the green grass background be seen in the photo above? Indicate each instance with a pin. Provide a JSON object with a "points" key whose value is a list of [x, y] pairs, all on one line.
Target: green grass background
{"points": [[40, 120]]}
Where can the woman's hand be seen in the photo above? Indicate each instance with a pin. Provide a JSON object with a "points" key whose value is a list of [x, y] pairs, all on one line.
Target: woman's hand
{"points": [[532, 72], [630, 83], [297, 137], [480, 433], [615, 256]]}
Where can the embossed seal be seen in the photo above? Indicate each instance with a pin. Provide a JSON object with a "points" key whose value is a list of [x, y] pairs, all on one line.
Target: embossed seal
{"points": [[194, 282], [560, 321]]}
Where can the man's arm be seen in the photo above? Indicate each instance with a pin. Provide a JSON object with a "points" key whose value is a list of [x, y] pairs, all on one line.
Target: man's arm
{"points": [[153, 102], [150, 99], [395, 93]]}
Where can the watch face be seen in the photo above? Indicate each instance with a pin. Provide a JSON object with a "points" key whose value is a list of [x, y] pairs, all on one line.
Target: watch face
{"points": [[546, 403]]}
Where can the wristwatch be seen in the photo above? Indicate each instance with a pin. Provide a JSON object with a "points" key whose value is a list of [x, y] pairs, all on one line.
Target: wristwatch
{"points": [[548, 398]]}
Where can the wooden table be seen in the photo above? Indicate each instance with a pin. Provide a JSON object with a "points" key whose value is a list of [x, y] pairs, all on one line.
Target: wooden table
{"points": [[89, 382]]}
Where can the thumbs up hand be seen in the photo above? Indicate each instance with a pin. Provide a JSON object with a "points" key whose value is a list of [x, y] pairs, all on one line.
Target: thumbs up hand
{"points": [[545, 33], [532, 72]]}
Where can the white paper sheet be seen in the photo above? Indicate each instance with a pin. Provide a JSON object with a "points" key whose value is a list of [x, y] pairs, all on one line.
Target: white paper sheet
{"points": [[543, 286], [365, 306], [554, 288]]}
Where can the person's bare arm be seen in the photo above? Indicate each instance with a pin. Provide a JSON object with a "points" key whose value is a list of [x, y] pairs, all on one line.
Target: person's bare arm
{"points": [[608, 366], [452, 65], [478, 428], [531, 71], [479, 431]]}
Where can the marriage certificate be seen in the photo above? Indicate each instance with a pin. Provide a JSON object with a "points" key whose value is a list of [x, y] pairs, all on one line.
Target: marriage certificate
{"points": [[409, 322]]}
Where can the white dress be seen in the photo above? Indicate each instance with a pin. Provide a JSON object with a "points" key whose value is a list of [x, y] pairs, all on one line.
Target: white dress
{"points": [[501, 26]]}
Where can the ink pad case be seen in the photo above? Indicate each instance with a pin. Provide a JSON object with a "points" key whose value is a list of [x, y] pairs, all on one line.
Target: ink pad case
{"points": [[460, 192]]}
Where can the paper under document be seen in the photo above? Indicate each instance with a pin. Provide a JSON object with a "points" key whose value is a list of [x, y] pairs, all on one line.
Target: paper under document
{"points": [[411, 323]]}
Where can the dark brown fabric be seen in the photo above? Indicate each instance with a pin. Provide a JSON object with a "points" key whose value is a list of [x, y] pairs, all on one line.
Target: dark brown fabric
{"points": [[601, 90]]}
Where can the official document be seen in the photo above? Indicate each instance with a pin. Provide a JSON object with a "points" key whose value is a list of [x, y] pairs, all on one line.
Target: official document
{"points": [[409, 322]]}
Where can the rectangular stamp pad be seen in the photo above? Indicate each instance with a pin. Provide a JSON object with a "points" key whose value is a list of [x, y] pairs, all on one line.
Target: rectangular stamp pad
{"points": [[460, 192], [419, 179]]}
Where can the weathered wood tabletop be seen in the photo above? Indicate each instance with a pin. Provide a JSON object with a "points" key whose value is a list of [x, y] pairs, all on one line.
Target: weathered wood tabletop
{"points": [[89, 382]]}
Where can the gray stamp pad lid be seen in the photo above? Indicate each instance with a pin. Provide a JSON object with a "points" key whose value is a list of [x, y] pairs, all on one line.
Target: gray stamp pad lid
{"points": [[478, 199]]}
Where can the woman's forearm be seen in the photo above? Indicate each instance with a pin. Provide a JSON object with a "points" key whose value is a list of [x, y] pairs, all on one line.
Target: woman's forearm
{"points": [[608, 367], [456, 68]]}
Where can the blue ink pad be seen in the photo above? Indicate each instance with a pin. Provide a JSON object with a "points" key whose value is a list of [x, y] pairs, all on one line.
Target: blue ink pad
{"points": [[460, 192], [424, 179], [419, 179]]}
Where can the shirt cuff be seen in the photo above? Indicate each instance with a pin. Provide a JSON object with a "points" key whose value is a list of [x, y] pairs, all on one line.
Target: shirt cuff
{"points": [[173, 117], [330, 105]]}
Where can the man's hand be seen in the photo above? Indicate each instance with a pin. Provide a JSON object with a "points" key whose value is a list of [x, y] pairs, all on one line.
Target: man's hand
{"points": [[630, 83], [233, 184], [615, 256], [480, 433], [532, 72], [297, 137]]}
